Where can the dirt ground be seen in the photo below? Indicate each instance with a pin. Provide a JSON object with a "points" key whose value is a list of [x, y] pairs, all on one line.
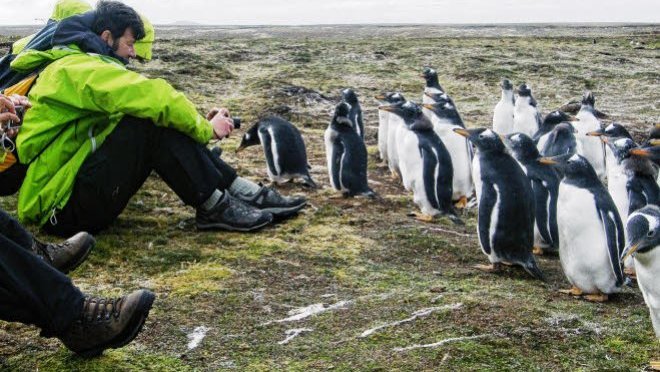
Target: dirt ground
{"points": [[356, 284]]}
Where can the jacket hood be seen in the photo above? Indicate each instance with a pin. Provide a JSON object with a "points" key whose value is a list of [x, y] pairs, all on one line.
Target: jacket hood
{"points": [[77, 30], [144, 45], [67, 8]]}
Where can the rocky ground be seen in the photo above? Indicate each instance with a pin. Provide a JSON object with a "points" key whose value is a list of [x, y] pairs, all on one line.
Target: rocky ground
{"points": [[355, 283]]}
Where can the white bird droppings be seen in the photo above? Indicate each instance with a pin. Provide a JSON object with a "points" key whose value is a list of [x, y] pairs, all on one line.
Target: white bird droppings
{"points": [[197, 336]]}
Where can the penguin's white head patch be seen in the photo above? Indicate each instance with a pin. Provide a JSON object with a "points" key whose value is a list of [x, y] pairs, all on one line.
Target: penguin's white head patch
{"points": [[247, 136], [575, 157]]}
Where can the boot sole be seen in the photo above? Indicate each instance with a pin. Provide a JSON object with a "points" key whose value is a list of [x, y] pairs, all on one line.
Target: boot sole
{"points": [[67, 269], [131, 330], [222, 226], [282, 212]]}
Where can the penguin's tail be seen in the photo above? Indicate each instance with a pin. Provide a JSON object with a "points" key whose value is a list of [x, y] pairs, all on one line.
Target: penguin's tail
{"points": [[455, 219], [532, 268], [309, 182]]}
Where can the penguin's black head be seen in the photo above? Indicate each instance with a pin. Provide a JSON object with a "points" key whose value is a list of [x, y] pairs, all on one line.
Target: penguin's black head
{"points": [[522, 147], [438, 97], [442, 103], [576, 167], [431, 77], [484, 138], [620, 146], [557, 117], [250, 138], [505, 84], [412, 115], [391, 97], [349, 96], [524, 90], [642, 231], [341, 116], [613, 130], [654, 133], [588, 99]]}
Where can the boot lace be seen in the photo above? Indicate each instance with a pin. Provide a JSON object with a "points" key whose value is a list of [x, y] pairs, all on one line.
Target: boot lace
{"points": [[98, 309]]}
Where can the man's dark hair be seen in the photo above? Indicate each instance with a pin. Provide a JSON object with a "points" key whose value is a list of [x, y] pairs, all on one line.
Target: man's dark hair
{"points": [[117, 17]]}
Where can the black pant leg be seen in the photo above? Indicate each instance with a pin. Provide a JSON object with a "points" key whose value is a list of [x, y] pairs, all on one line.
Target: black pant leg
{"points": [[32, 292], [113, 174], [14, 231]]}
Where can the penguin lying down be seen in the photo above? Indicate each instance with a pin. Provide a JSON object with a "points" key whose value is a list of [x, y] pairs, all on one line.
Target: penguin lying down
{"points": [[284, 149]]}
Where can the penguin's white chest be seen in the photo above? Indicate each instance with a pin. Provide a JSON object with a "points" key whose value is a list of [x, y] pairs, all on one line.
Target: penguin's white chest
{"points": [[583, 248], [525, 118], [590, 147], [383, 124], [395, 130], [647, 267], [276, 173], [329, 138], [461, 159], [503, 117]]}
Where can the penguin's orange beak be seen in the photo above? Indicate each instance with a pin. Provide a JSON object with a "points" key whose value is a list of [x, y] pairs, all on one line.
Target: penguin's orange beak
{"points": [[641, 152], [462, 132], [547, 161], [380, 97], [595, 133], [629, 251], [386, 108], [428, 106], [655, 142]]}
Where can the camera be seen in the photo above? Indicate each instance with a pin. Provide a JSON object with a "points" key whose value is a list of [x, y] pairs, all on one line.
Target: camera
{"points": [[20, 111], [237, 122]]}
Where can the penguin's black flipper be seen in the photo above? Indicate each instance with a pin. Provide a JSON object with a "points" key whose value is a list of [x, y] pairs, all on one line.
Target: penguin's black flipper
{"points": [[266, 141], [641, 192], [335, 160], [486, 205], [614, 235], [437, 183], [541, 197]]}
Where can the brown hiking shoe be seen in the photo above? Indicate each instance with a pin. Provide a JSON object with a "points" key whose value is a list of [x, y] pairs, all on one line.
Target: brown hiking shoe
{"points": [[65, 256], [108, 323]]}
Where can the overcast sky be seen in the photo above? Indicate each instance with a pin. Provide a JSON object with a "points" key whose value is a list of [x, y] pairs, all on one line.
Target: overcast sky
{"points": [[297, 12]]}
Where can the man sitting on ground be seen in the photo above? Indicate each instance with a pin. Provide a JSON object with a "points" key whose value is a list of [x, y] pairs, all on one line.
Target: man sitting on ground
{"points": [[96, 131]]}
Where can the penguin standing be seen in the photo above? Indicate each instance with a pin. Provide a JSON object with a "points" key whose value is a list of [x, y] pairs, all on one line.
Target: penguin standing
{"points": [[643, 232], [549, 123], [590, 147], [432, 85], [395, 129], [389, 98], [284, 149], [591, 235], [506, 204], [445, 119], [545, 185], [346, 155], [503, 113], [613, 130], [560, 141], [349, 96], [426, 167], [526, 116]]}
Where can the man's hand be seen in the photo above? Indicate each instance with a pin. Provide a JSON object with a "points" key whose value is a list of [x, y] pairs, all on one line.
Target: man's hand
{"points": [[222, 126], [20, 101], [215, 111], [7, 112]]}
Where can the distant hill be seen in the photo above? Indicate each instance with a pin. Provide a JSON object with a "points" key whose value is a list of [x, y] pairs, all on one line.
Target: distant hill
{"points": [[186, 23]]}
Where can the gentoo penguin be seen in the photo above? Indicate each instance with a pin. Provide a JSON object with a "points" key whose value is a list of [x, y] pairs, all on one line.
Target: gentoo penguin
{"points": [[284, 149], [432, 85], [560, 141], [426, 167], [545, 185], [506, 204], [640, 187], [503, 113], [389, 98], [590, 147], [613, 130], [591, 235], [349, 96], [526, 116], [549, 123], [346, 155], [445, 119], [643, 239], [395, 129]]}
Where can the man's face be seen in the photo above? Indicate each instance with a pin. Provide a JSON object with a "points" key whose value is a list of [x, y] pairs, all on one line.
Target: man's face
{"points": [[124, 46]]}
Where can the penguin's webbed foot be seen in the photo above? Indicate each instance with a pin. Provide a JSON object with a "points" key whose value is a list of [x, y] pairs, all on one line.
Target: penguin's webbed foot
{"points": [[596, 297], [422, 217], [396, 176], [574, 291], [461, 203], [537, 250], [655, 365], [630, 271], [492, 268]]}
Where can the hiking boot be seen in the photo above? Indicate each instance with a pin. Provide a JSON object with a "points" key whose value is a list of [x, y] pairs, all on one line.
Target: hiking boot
{"points": [[65, 256], [269, 200], [107, 323], [233, 215]]}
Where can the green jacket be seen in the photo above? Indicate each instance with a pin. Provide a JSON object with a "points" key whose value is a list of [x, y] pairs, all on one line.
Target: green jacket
{"points": [[77, 102]]}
